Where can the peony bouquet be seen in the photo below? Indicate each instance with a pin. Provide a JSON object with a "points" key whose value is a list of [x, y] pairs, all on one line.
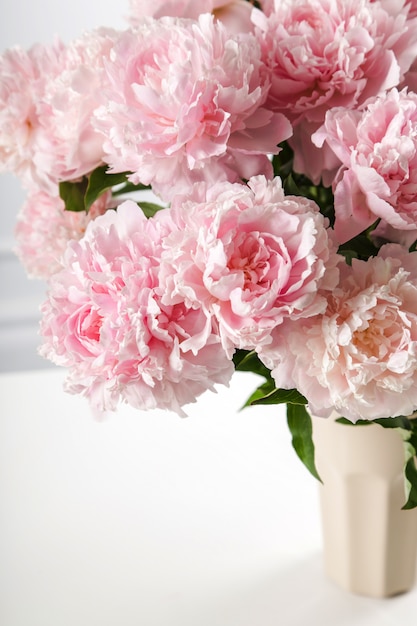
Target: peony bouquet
{"points": [[221, 186]]}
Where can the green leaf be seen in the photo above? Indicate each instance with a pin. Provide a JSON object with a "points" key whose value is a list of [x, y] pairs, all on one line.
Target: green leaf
{"points": [[290, 187], [283, 161], [411, 476], [386, 422], [260, 393], [72, 193], [100, 181], [299, 423], [281, 396], [129, 187], [149, 208], [245, 361]]}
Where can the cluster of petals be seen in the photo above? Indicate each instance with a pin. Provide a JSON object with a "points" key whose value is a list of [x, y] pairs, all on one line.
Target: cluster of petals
{"points": [[44, 228], [235, 14], [377, 147], [47, 97], [69, 146], [251, 255], [22, 81], [105, 321], [327, 53], [360, 357], [186, 104]]}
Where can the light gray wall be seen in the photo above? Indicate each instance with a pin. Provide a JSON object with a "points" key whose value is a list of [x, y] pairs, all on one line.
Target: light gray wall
{"points": [[25, 22]]}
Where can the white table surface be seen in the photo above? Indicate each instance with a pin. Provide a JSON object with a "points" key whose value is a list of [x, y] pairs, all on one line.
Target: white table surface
{"points": [[147, 519]]}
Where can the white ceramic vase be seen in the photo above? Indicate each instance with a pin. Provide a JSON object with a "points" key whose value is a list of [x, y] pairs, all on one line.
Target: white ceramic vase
{"points": [[370, 544]]}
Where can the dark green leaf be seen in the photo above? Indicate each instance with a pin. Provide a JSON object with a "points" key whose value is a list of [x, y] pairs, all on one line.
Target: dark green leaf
{"points": [[149, 208], [411, 476], [281, 396], [290, 186], [129, 188], [283, 161], [72, 193], [100, 181], [245, 361], [299, 423], [261, 392], [385, 422]]}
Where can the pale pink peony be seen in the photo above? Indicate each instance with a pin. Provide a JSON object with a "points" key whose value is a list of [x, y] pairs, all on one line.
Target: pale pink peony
{"points": [[251, 255], [360, 357], [186, 105], [68, 146], [104, 320], [327, 53], [378, 149], [44, 228], [47, 96], [22, 82]]}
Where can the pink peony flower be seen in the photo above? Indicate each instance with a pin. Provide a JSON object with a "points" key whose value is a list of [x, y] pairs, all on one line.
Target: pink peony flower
{"points": [[360, 357], [327, 53], [47, 97], [104, 319], [186, 105], [44, 228], [69, 147], [22, 81], [378, 149], [251, 255]]}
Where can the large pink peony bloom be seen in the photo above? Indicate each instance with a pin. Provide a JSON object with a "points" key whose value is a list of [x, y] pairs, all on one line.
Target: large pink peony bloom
{"points": [[360, 357], [378, 149], [327, 53], [47, 96], [44, 228], [22, 83], [251, 255], [105, 321], [68, 145], [186, 105]]}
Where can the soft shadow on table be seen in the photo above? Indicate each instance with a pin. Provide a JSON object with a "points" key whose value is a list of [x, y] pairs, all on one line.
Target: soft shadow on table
{"points": [[291, 596]]}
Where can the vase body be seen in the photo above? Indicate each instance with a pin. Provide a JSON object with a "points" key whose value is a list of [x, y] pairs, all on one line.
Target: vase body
{"points": [[369, 542]]}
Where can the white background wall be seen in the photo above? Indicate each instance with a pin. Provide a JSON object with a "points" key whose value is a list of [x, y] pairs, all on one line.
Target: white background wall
{"points": [[24, 22]]}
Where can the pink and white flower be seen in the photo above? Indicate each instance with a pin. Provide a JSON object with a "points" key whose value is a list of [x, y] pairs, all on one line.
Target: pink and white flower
{"points": [[328, 53], [251, 255], [44, 228], [47, 97], [186, 105], [105, 320], [360, 357], [377, 147], [68, 145], [22, 82]]}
